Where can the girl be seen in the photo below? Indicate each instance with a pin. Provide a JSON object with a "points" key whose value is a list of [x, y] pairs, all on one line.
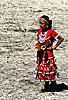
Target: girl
{"points": [[46, 67]]}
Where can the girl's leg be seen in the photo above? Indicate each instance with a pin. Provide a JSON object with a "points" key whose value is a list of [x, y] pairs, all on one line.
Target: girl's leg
{"points": [[53, 86], [46, 86]]}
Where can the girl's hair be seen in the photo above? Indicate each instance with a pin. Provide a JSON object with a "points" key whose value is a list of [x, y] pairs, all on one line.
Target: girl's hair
{"points": [[46, 18]]}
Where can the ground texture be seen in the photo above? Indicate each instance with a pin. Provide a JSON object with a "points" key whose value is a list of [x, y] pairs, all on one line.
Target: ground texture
{"points": [[18, 22]]}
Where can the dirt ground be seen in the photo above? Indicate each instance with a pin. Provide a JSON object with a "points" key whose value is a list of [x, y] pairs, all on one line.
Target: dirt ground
{"points": [[18, 20]]}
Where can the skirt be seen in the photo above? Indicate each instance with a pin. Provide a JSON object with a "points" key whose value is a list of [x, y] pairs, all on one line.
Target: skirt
{"points": [[46, 67]]}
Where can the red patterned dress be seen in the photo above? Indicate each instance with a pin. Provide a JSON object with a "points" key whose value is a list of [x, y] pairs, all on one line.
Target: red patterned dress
{"points": [[46, 67]]}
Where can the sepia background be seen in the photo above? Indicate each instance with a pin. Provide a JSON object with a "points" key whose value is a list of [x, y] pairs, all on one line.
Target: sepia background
{"points": [[19, 21]]}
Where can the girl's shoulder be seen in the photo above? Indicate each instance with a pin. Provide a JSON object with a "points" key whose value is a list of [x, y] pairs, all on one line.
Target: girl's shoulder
{"points": [[51, 30], [39, 31]]}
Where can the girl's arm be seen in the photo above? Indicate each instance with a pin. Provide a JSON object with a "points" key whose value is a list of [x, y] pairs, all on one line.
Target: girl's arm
{"points": [[59, 42], [60, 39]]}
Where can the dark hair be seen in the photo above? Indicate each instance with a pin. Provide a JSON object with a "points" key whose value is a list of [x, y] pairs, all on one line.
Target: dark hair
{"points": [[47, 19]]}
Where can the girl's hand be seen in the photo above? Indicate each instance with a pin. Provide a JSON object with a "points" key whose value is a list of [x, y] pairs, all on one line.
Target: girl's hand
{"points": [[54, 47], [51, 48]]}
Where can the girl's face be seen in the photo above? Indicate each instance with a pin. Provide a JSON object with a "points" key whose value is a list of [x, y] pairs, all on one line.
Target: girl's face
{"points": [[43, 24]]}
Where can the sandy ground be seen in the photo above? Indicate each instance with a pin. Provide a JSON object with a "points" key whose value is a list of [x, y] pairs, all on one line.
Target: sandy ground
{"points": [[17, 48]]}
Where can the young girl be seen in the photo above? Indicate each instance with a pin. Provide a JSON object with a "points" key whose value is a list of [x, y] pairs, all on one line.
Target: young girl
{"points": [[46, 67]]}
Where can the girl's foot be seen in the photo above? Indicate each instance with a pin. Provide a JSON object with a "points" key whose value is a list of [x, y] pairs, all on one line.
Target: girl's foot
{"points": [[53, 86], [46, 87]]}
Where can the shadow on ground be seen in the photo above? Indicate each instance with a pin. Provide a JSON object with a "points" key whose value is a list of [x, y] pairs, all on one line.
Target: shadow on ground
{"points": [[58, 88], [61, 87]]}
